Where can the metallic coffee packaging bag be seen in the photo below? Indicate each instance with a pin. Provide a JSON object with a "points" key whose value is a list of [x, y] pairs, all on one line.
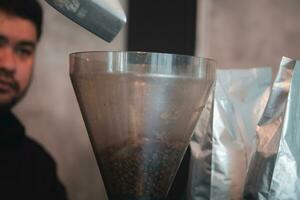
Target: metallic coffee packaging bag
{"points": [[222, 146], [286, 178], [274, 169]]}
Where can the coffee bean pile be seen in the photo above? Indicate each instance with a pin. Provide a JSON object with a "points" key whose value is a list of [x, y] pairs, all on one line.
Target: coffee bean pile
{"points": [[140, 170]]}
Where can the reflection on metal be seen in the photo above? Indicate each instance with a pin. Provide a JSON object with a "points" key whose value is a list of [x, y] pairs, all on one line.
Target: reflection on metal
{"points": [[273, 170]]}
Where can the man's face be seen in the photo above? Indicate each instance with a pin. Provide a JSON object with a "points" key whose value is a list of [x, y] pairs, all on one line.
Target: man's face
{"points": [[18, 38]]}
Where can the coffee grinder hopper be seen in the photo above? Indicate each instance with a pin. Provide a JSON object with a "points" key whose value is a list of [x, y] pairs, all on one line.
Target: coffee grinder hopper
{"points": [[140, 110]]}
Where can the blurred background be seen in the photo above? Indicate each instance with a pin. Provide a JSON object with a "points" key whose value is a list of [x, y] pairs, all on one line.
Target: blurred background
{"points": [[236, 33]]}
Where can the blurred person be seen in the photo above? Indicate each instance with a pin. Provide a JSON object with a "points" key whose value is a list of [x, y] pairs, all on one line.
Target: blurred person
{"points": [[27, 171]]}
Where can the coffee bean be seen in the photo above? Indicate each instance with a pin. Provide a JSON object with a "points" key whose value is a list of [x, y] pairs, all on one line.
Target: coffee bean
{"points": [[140, 170]]}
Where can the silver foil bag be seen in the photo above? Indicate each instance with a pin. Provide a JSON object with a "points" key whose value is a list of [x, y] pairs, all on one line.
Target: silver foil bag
{"points": [[275, 167], [223, 141]]}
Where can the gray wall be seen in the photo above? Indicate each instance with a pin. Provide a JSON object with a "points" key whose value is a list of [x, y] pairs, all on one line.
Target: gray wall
{"points": [[245, 33], [240, 33], [50, 110]]}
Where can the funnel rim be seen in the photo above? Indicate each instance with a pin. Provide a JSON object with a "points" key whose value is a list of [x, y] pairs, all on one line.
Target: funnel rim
{"points": [[144, 52]]}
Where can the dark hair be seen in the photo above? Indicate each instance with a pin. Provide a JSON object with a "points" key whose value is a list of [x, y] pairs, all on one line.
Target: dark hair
{"points": [[27, 9]]}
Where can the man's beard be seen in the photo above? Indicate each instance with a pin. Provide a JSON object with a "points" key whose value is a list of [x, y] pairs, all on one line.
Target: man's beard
{"points": [[10, 85], [7, 78]]}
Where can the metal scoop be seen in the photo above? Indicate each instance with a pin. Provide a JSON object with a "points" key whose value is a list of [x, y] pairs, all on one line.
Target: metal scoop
{"points": [[104, 18]]}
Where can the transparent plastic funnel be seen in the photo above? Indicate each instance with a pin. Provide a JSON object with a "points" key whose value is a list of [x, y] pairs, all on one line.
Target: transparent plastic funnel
{"points": [[140, 110]]}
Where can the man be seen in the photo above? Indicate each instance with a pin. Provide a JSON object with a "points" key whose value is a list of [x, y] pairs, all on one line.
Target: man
{"points": [[26, 170]]}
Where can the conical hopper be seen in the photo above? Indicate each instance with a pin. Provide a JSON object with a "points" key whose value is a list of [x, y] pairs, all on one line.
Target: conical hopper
{"points": [[140, 110]]}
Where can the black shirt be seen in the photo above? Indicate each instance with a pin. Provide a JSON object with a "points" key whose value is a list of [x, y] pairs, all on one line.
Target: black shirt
{"points": [[27, 171]]}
